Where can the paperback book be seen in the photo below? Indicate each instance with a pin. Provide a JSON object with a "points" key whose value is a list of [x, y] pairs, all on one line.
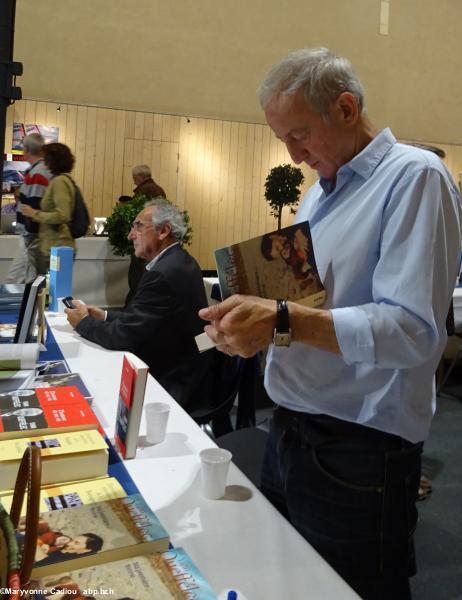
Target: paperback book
{"points": [[130, 405], [32, 307], [63, 379], [277, 265], [44, 411], [73, 455], [73, 493], [168, 576], [93, 534]]}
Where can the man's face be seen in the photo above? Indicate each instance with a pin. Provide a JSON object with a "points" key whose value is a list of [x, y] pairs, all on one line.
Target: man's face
{"points": [[277, 244], [77, 545], [324, 145], [28, 157], [62, 540], [147, 241], [138, 179]]}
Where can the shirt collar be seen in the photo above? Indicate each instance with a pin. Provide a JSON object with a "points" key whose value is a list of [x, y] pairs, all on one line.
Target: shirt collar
{"points": [[151, 264], [372, 155], [364, 163]]}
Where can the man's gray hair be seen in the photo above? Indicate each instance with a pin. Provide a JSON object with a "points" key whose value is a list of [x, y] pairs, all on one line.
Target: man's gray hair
{"points": [[166, 212], [322, 75], [33, 143], [143, 170]]}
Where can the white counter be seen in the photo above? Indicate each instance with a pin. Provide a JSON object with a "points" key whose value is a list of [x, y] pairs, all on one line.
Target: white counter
{"points": [[100, 277], [240, 542]]}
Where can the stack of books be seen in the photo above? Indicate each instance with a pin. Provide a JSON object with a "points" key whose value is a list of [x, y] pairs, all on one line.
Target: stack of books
{"points": [[93, 538]]}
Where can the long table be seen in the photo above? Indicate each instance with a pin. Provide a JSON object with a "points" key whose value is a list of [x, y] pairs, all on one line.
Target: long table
{"points": [[240, 542]]}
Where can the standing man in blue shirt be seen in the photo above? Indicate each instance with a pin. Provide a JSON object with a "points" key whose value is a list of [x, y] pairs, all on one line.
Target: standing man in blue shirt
{"points": [[353, 381]]}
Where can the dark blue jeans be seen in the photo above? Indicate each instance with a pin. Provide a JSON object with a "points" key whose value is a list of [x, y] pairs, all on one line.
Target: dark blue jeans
{"points": [[350, 491]]}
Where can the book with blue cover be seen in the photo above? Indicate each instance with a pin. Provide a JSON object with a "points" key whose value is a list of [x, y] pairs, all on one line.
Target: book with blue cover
{"points": [[61, 266]]}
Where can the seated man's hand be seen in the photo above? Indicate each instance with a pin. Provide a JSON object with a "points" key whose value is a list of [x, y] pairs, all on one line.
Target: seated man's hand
{"points": [[97, 313], [241, 325], [75, 315]]}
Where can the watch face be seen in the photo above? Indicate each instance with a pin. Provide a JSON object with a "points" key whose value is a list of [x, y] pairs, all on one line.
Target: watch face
{"points": [[281, 339]]}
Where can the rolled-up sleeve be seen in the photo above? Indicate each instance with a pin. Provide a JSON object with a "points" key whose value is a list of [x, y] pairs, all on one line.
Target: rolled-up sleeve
{"points": [[413, 280]]}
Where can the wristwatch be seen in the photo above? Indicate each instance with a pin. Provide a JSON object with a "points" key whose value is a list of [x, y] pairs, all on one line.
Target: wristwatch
{"points": [[282, 332]]}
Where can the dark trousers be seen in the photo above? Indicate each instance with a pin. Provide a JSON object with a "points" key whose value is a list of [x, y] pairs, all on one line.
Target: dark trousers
{"points": [[350, 491]]}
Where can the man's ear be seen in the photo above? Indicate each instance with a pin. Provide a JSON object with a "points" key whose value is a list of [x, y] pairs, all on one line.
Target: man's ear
{"points": [[346, 108], [164, 231]]}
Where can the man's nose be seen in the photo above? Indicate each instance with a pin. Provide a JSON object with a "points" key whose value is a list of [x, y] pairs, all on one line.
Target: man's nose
{"points": [[297, 153]]}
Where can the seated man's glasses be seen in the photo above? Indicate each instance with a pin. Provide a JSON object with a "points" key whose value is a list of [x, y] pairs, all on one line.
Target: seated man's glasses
{"points": [[138, 226]]}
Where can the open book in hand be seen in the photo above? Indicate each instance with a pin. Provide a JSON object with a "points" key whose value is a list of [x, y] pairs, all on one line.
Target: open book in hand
{"points": [[277, 265]]}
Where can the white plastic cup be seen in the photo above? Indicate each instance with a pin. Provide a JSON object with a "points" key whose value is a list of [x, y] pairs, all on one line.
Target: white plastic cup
{"points": [[156, 421], [214, 472]]}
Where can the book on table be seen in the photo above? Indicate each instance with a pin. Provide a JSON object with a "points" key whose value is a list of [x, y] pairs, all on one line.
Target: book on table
{"points": [[31, 305], [93, 534], [277, 265], [60, 380], [130, 404], [73, 455], [44, 411], [17, 365], [171, 575], [73, 493]]}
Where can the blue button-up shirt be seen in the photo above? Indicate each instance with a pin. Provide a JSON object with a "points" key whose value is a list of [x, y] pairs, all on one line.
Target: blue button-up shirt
{"points": [[386, 237]]}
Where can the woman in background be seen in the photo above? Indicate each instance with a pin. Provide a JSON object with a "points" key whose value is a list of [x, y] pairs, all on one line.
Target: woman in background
{"points": [[57, 205]]}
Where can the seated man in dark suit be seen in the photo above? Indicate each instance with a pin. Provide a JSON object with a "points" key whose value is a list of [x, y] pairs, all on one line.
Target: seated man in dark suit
{"points": [[161, 321]]}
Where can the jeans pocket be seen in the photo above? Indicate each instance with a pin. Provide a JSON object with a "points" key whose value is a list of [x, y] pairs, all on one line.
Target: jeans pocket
{"points": [[358, 485]]}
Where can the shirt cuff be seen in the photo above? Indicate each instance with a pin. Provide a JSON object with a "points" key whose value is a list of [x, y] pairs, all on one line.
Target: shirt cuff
{"points": [[354, 335], [105, 315]]}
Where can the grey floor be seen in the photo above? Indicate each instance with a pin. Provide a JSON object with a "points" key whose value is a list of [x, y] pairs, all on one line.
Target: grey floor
{"points": [[438, 537]]}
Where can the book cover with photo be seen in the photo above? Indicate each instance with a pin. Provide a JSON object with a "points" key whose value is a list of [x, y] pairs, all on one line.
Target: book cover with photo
{"points": [[130, 405], [277, 265], [73, 493], [44, 410], [93, 534], [77, 454], [168, 576]]}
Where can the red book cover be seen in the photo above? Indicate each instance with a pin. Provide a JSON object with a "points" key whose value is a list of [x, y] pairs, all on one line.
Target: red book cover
{"points": [[127, 384], [130, 406], [44, 410]]}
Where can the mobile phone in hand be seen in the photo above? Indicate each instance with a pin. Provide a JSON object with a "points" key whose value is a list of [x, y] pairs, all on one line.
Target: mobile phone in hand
{"points": [[67, 301]]}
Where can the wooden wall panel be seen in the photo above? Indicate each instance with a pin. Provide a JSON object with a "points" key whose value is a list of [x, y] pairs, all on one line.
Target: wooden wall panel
{"points": [[214, 169]]}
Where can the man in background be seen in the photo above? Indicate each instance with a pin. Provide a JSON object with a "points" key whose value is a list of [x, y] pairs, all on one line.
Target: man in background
{"points": [[353, 381], [161, 321], [18, 268], [146, 186], [32, 190]]}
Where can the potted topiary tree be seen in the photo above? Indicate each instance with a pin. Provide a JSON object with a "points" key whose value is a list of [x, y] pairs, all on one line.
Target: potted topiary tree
{"points": [[282, 189], [119, 223]]}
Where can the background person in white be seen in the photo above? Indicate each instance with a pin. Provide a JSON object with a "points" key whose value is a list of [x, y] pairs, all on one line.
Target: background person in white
{"points": [[355, 388]]}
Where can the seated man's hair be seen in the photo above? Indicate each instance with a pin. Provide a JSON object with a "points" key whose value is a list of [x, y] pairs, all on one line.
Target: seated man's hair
{"points": [[166, 212]]}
